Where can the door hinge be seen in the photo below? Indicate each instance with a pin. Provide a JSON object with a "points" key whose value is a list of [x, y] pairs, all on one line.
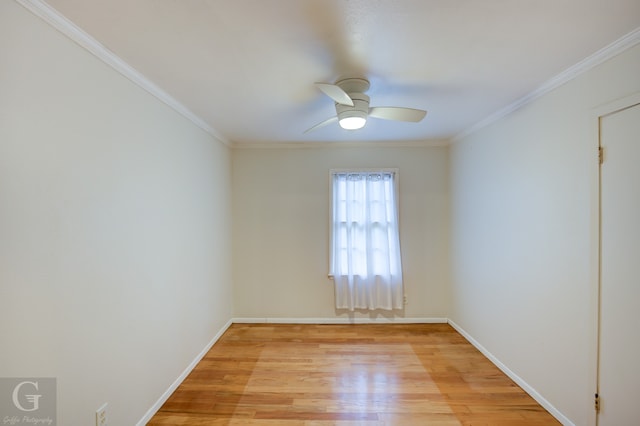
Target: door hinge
{"points": [[600, 154], [597, 403]]}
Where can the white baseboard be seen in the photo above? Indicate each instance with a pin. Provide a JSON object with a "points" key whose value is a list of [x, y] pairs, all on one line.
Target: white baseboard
{"points": [[154, 409], [513, 376], [345, 320]]}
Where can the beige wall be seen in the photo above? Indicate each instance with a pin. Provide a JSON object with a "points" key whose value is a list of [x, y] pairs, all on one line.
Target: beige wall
{"points": [[523, 197], [114, 228], [281, 229]]}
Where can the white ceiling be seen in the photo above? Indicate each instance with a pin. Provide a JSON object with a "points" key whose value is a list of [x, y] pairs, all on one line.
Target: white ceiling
{"points": [[247, 67]]}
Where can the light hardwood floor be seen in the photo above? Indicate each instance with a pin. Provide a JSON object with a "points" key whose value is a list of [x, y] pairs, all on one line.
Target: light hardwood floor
{"points": [[398, 374]]}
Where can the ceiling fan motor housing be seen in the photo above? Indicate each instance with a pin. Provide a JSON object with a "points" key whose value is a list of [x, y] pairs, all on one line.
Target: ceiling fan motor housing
{"points": [[353, 85], [359, 109]]}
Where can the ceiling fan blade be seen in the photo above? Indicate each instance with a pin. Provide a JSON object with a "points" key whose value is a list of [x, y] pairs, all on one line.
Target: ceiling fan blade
{"points": [[336, 93], [397, 113], [322, 124]]}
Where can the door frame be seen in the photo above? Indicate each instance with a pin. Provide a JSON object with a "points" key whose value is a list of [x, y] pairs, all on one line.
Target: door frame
{"points": [[597, 115]]}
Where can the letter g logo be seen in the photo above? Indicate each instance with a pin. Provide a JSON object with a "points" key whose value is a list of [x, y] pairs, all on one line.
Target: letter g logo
{"points": [[33, 399]]}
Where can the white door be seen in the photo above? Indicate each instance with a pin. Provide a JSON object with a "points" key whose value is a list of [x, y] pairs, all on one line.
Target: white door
{"points": [[619, 351]]}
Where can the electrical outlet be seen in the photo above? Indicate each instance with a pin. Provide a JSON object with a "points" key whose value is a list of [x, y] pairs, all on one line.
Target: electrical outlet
{"points": [[405, 300], [101, 416]]}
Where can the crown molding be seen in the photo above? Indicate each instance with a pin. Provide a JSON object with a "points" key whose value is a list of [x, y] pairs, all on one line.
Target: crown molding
{"points": [[84, 40], [339, 144], [625, 42]]}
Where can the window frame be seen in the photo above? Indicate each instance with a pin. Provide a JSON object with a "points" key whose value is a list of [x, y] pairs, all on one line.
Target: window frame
{"points": [[396, 187]]}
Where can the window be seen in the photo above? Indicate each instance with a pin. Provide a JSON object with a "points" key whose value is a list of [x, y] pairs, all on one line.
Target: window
{"points": [[365, 245]]}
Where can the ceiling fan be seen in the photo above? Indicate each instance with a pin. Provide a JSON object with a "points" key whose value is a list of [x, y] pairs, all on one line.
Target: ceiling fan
{"points": [[352, 106]]}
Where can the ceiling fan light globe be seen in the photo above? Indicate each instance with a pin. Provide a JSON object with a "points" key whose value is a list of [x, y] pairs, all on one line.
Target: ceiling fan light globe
{"points": [[352, 123], [354, 117]]}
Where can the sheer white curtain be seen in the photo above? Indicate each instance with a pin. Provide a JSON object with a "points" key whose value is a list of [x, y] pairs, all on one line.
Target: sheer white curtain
{"points": [[365, 244]]}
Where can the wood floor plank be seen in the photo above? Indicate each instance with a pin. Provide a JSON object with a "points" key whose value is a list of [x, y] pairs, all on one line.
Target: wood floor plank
{"points": [[396, 374]]}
